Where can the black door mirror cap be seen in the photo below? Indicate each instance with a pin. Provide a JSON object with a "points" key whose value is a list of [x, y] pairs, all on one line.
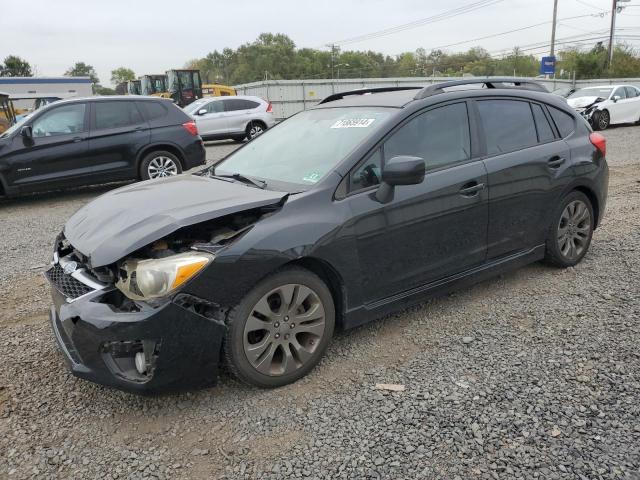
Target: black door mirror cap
{"points": [[26, 132], [400, 170]]}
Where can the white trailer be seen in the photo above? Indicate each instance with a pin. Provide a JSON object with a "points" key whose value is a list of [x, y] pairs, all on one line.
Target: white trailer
{"points": [[41, 87]]}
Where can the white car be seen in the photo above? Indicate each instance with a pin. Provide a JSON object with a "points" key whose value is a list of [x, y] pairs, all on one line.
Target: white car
{"points": [[236, 117], [607, 105]]}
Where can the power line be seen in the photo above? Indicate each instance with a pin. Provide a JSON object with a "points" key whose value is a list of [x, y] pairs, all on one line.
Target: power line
{"points": [[591, 5], [493, 35], [419, 23]]}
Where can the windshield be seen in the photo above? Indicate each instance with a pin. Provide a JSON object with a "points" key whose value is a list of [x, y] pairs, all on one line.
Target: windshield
{"points": [[592, 92], [305, 147]]}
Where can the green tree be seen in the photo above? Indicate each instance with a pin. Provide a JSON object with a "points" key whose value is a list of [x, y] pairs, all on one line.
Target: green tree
{"points": [[122, 74], [81, 69], [100, 90], [15, 66]]}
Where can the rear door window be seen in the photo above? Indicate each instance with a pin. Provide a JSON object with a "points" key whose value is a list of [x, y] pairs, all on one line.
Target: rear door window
{"points": [[565, 122], [508, 125], [439, 136], [116, 115], [545, 132], [631, 92]]}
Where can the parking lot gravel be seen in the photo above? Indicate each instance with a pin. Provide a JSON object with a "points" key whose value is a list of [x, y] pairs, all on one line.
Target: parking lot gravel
{"points": [[534, 374]]}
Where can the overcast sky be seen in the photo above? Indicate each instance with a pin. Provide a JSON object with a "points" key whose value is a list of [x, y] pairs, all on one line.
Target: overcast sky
{"points": [[151, 37]]}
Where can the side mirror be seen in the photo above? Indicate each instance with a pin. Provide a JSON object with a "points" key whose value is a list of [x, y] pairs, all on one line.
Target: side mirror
{"points": [[616, 98], [401, 170], [202, 111], [26, 132]]}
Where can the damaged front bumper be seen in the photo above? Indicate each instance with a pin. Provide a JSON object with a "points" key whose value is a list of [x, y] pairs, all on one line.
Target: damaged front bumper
{"points": [[144, 349]]}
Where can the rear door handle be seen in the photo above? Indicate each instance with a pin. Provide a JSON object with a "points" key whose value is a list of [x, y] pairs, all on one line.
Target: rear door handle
{"points": [[77, 139], [471, 189], [555, 162]]}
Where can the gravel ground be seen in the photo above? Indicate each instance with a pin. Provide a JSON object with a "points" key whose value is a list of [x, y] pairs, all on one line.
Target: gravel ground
{"points": [[534, 374]]}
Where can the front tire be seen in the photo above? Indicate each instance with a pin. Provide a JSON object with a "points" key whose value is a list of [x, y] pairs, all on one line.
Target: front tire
{"points": [[601, 120], [571, 231], [280, 330], [160, 164]]}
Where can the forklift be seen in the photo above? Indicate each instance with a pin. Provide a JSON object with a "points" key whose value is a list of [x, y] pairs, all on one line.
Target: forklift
{"points": [[133, 87], [184, 86], [154, 85], [7, 112]]}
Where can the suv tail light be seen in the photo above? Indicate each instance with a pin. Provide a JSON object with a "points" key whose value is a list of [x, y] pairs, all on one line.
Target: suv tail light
{"points": [[599, 142], [191, 127], [269, 108]]}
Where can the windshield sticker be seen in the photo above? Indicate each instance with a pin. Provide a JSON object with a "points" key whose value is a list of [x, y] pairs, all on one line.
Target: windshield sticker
{"points": [[312, 177], [353, 123]]}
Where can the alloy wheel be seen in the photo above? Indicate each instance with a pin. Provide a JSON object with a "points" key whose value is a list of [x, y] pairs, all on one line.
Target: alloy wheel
{"points": [[603, 120], [284, 329], [255, 130], [161, 167], [574, 230]]}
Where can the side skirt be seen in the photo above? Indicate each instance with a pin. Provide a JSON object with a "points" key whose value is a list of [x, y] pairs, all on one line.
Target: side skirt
{"points": [[368, 312]]}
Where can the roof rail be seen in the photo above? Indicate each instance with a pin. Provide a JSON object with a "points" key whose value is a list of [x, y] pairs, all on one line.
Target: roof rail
{"points": [[363, 91], [496, 82]]}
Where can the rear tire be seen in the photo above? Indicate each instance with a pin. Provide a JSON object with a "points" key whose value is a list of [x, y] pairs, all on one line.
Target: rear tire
{"points": [[280, 330], [570, 232], [601, 120], [255, 129], [160, 164]]}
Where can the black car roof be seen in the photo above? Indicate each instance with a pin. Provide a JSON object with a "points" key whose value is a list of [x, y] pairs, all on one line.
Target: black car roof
{"points": [[106, 98], [400, 97]]}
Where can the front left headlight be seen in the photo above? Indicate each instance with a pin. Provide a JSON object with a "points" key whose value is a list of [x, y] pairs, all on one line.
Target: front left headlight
{"points": [[153, 278]]}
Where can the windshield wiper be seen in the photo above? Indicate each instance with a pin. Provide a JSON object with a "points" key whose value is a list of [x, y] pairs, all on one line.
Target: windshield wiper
{"points": [[241, 178]]}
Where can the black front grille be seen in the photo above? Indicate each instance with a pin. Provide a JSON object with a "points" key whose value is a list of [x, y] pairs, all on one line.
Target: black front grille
{"points": [[66, 284]]}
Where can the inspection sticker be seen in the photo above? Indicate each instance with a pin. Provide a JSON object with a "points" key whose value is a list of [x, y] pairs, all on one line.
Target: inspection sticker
{"points": [[353, 123]]}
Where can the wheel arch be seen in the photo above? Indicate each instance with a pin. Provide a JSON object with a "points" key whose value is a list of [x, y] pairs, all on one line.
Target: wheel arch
{"points": [[330, 277], [169, 147], [593, 198], [264, 125]]}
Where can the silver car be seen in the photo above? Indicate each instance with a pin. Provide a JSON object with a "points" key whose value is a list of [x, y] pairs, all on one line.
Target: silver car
{"points": [[236, 117]]}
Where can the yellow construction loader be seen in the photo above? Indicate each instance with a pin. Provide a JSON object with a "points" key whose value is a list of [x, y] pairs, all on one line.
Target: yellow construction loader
{"points": [[7, 112]]}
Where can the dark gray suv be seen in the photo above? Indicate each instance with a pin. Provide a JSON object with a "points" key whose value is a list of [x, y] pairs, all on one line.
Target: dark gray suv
{"points": [[372, 201], [86, 141]]}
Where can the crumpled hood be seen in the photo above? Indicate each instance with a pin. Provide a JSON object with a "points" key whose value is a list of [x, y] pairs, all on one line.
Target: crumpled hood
{"points": [[124, 220], [581, 102]]}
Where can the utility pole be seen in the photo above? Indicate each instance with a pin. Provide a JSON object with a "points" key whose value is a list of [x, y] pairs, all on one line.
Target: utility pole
{"points": [[553, 28], [614, 10]]}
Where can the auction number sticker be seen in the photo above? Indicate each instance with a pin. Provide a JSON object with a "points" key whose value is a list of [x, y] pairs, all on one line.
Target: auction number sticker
{"points": [[353, 123]]}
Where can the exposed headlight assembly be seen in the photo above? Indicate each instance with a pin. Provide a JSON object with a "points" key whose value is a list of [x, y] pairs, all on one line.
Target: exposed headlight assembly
{"points": [[153, 278]]}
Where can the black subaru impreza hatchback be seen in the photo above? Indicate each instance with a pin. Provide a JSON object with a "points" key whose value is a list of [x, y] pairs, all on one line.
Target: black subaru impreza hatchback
{"points": [[372, 201]]}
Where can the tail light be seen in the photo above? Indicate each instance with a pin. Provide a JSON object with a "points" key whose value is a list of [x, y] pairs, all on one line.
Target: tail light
{"points": [[269, 108], [599, 142], [191, 127]]}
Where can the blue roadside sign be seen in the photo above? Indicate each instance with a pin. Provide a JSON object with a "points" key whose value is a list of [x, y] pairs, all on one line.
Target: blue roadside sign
{"points": [[548, 65]]}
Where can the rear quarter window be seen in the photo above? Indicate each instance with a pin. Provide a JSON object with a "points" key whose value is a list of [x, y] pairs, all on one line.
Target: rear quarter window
{"points": [[152, 110], [565, 123]]}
